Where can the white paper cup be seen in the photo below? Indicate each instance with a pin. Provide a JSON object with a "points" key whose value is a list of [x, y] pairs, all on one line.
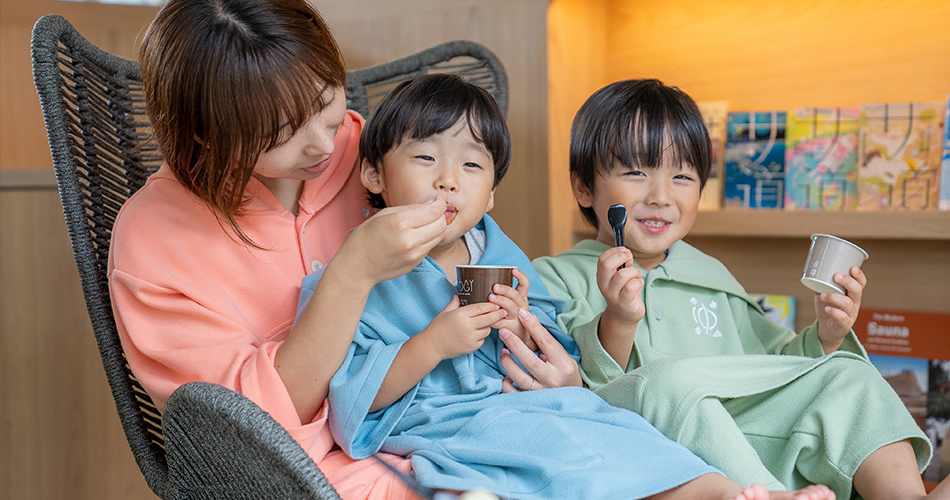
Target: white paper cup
{"points": [[829, 255]]}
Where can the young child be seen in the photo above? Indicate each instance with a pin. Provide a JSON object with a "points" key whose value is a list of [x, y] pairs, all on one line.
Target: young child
{"points": [[423, 377], [665, 330]]}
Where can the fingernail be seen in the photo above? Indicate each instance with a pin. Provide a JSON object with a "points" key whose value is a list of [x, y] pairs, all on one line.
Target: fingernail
{"points": [[504, 333], [523, 313]]}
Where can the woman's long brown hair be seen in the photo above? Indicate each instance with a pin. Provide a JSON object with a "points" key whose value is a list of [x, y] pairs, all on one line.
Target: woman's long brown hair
{"points": [[223, 78]]}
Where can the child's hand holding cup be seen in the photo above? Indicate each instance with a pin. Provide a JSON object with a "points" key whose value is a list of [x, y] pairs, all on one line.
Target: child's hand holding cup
{"points": [[827, 256], [475, 282]]}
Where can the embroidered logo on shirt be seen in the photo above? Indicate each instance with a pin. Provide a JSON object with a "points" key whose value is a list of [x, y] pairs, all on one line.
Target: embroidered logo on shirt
{"points": [[705, 318]]}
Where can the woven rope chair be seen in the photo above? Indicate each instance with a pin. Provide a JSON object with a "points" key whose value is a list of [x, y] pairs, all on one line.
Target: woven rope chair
{"points": [[210, 442]]}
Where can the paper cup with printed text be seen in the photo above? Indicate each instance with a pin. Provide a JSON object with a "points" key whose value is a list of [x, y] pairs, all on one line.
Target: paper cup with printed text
{"points": [[829, 255], [475, 282]]}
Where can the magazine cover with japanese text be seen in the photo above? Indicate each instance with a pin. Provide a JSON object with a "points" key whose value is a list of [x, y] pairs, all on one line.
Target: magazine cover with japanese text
{"points": [[821, 158], [755, 160], [900, 150]]}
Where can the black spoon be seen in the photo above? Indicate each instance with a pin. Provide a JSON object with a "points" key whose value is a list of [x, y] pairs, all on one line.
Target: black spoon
{"points": [[617, 217]]}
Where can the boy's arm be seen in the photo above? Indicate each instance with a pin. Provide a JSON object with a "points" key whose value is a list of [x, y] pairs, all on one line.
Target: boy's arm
{"points": [[807, 343], [780, 340], [453, 332], [415, 359]]}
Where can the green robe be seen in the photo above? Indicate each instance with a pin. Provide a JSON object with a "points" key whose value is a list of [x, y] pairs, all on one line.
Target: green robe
{"points": [[709, 370]]}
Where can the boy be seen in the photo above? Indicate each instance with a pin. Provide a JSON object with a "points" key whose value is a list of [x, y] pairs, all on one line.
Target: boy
{"points": [[423, 377], [694, 347]]}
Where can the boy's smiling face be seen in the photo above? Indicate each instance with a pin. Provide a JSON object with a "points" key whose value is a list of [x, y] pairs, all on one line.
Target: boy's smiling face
{"points": [[661, 206], [451, 165]]}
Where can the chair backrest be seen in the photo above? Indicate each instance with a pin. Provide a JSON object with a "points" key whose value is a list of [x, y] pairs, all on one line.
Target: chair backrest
{"points": [[101, 144], [366, 86]]}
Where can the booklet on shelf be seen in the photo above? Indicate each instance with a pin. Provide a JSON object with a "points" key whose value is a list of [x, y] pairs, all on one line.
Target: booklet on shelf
{"points": [[899, 154], [714, 114], [821, 158], [945, 165], [911, 349], [778, 308], [755, 160]]}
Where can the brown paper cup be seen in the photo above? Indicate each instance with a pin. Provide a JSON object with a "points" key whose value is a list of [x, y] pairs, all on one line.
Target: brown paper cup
{"points": [[475, 282], [829, 255]]}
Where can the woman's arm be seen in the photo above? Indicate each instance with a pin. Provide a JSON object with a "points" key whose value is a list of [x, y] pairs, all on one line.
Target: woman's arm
{"points": [[387, 245], [553, 367]]}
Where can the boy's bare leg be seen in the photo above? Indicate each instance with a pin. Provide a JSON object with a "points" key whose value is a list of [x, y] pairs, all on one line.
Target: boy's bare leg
{"points": [[890, 473], [717, 487]]}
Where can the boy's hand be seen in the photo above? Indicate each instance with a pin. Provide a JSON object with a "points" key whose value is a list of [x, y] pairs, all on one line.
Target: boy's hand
{"points": [[836, 312], [513, 300], [621, 289], [461, 330]]}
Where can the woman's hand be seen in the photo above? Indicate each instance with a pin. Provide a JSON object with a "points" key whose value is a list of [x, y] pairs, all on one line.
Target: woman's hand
{"points": [[393, 241], [513, 300], [387, 245], [554, 367]]}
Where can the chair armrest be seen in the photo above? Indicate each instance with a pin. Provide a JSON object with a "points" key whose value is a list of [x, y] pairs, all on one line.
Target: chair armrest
{"points": [[219, 444]]}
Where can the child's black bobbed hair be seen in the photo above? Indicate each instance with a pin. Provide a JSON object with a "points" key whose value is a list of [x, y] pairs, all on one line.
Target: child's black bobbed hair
{"points": [[430, 105], [639, 123]]}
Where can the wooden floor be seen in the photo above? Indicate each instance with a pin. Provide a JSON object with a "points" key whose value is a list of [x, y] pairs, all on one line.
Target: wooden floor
{"points": [[60, 436]]}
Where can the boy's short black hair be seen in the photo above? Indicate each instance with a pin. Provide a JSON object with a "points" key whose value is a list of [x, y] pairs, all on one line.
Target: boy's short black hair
{"points": [[430, 105], [634, 121]]}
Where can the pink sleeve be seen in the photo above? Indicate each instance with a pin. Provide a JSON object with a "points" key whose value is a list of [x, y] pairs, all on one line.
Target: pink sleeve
{"points": [[170, 340], [192, 302]]}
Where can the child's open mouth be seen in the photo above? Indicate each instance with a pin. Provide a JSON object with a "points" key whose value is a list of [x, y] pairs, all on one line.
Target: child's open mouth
{"points": [[653, 225], [450, 213]]}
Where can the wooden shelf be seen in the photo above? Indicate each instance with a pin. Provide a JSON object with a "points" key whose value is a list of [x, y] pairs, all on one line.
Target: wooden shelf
{"points": [[782, 224]]}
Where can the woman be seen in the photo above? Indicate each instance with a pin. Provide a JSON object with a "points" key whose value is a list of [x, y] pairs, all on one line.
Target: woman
{"points": [[260, 187]]}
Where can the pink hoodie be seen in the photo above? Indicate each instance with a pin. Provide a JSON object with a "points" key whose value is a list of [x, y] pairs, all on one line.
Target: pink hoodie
{"points": [[193, 302]]}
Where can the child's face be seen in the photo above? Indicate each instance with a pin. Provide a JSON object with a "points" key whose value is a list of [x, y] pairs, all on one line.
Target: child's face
{"points": [[451, 165], [661, 206], [305, 154]]}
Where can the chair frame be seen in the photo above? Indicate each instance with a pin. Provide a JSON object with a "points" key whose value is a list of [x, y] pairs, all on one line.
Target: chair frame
{"points": [[95, 177]]}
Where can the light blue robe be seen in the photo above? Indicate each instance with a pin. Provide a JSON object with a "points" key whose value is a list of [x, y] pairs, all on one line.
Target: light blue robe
{"points": [[462, 433]]}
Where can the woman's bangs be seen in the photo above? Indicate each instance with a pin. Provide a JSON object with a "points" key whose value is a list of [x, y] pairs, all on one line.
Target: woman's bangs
{"points": [[290, 96]]}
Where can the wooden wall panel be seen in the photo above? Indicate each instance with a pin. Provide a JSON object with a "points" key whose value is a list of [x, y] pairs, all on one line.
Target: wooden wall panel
{"points": [[577, 52], [115, 28], [786, 53], [60, 433]]}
